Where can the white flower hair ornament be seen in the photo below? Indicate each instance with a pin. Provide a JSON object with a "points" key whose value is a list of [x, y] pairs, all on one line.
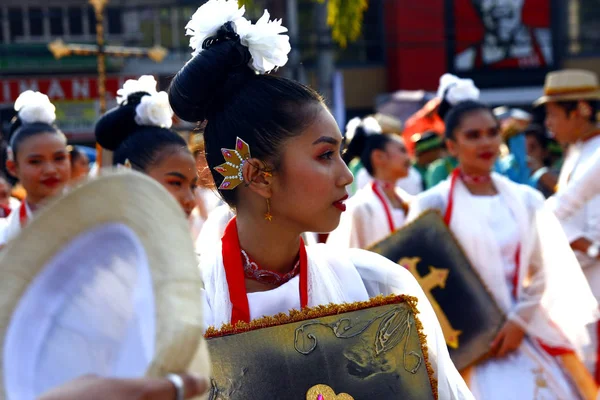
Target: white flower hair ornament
{"points": [[456, 90], [35, 107], [145, 84], [219, 20], [368, 124], [154, 110]]}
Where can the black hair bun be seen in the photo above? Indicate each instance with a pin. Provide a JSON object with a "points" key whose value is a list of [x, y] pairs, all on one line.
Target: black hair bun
{"points": [[118, 123], [207, 81]]}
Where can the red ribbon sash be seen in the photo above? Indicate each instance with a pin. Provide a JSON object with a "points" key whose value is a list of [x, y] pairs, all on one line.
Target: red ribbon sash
{"points": [[234, 273]]}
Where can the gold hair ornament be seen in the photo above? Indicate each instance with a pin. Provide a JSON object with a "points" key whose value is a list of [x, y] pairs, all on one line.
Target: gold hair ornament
{"points": [[233, 167]]}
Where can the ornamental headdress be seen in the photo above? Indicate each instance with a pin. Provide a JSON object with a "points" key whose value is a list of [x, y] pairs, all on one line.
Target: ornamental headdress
{"points": [[154, 108], [268, 49], [32, 108]]}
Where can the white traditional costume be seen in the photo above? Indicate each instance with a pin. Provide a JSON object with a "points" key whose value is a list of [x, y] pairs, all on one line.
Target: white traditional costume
{"points": [[524, 260], [411, 184], [582, 188], [14, 222], [581, 158], [207, 201], [370, 217], [329, 277]]}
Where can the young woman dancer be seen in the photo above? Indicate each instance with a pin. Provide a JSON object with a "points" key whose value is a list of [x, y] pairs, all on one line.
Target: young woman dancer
{"points": [[522, 257], [138, 133], [274, 151], [37, 157]]}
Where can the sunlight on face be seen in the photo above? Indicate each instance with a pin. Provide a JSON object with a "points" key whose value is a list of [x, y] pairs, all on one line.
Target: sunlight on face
{"points": [[312, 177], [43, 166], [176, 171], [476, 142]]}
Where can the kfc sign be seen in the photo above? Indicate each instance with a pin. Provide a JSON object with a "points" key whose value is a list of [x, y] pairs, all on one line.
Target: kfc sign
{"points": [[78, 88], [501, 35]]}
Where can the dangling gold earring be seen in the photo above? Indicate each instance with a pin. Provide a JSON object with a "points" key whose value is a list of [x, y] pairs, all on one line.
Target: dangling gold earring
{"points": [[268, 215]]}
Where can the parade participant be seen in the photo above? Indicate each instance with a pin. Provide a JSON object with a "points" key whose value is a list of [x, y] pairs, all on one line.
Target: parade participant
{"points": [[80, 164], [274, 151], [410, 183], [37, 157], [543, 176], [380, 207], [572, 99], [574, 197], [7, 202], [451, 91], [429, 147], [97, 388], [138, 133], [205, 194], [523, 259]]}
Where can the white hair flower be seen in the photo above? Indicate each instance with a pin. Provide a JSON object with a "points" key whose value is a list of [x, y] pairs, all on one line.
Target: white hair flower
{"points": [[146, 83], [369, 125], [154, 110], [209, 17], [35, 107], [269, 49], [456, 90]]}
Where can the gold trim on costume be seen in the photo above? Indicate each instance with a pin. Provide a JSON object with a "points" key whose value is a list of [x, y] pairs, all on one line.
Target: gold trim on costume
{"points": [[328, 310]]}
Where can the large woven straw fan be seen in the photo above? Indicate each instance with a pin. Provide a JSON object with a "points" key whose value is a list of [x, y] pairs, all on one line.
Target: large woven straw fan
{"points": [[103, 281]]}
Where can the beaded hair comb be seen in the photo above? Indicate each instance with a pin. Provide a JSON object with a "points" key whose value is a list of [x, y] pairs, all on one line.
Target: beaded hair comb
{"points": [[232, 168]]}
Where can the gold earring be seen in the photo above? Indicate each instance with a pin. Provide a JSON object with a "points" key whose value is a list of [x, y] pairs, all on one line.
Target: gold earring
{"points": [[268, 215]]}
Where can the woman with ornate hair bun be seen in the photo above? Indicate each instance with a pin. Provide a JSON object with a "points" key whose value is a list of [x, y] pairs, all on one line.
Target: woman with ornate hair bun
{"points": [[379, 208], [138, 133], [519, 251], [274, 150], [37, 157]]}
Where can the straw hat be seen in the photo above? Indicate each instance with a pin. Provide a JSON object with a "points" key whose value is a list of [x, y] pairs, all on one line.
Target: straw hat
{"points": [[570, 85], [103, 281]]}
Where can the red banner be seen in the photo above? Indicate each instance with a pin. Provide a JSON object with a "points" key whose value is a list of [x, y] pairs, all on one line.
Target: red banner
{"points": [[76, 88]]}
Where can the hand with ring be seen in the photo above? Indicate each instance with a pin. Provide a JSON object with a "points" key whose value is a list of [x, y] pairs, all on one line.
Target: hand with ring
{"points": [[173, 387]]}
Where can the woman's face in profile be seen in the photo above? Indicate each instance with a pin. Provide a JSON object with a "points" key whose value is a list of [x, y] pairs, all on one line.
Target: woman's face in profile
{"points": [[311, 181]]}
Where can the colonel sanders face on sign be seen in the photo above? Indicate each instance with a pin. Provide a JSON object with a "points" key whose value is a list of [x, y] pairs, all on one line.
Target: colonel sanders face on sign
{"points": [[501, 18]]}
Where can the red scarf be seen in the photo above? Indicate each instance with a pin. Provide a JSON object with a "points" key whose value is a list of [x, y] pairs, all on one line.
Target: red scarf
{"points": [[234, 272], [23, 217], [386, 207]]}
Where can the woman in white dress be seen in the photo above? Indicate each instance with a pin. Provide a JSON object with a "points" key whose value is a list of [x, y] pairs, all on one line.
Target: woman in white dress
{"points": [[379, 208], [37, 157], [138, 133], [523, 259], [274, 150]]}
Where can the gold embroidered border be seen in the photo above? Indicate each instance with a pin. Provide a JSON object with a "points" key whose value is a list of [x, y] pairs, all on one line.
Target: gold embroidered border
{"points": [[329, 310]]}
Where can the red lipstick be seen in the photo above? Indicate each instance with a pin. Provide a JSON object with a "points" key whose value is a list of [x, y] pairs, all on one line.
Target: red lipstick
{"points": [[488, 155], [51, 182], [340, 203]]}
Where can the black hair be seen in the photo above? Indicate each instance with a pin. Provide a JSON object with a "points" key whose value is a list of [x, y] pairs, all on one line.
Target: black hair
{"points": [[20, 131], [75, 153], [263, 110], [142, 145], [362, 145], [459, 111], [537, 131], [569, 106]]}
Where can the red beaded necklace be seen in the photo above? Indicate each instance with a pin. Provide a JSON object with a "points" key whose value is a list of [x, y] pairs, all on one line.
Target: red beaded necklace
{"points": [[475, 179], [256, 273]]}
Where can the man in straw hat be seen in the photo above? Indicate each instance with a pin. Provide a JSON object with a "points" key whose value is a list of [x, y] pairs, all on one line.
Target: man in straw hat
{"points": [[572, 99]]}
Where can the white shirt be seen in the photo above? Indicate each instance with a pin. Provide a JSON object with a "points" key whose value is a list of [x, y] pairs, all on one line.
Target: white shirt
{"points": [[584, 223]]}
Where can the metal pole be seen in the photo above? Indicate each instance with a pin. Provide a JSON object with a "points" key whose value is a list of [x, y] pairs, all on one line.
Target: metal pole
{"points": [[103, 157]]}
